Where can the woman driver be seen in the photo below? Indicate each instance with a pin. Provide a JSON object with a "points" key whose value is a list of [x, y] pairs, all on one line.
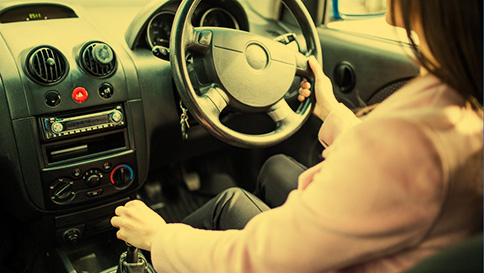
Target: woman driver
{"points": [[395, 186]]}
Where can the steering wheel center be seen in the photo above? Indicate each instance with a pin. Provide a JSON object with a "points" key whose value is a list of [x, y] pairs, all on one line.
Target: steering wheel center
{"points": [[257, 56]]}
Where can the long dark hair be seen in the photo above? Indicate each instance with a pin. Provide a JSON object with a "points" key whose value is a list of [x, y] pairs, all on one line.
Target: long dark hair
{"points": [[453, 32]]}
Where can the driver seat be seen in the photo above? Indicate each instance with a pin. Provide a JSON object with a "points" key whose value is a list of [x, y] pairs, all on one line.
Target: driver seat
{"points": [[462, 257]]}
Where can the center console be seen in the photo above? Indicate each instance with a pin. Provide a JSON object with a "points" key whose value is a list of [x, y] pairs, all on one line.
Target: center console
{"points": [[99, 135], [74, 123]]}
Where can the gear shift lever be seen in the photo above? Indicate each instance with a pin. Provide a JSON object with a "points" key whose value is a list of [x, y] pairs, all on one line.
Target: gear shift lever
{"points": [[131, 254], [133, 262]]}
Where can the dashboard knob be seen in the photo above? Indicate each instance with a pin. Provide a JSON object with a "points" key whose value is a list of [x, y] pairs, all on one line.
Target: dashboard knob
{"points": [[56, 127], [102, 54], [161, 52], [93, 180], [122, 176], [61, 190], [116, 116], [72, 236], [93, 177]]}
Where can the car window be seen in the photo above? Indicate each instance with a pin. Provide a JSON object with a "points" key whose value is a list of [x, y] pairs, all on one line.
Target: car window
{"points": [[365, 17], [267, 8]]}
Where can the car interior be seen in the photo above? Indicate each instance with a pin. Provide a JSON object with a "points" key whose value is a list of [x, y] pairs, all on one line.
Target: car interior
{"points": [[102, 102]]}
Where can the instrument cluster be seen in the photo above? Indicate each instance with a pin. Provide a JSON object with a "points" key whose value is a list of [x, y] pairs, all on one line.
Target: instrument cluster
{"points": [[225, 14]]}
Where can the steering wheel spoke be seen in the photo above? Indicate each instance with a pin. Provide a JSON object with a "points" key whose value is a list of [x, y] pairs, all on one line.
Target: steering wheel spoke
{"points": [[302, 67], [282, 114], [215, 100], [199, 40]]}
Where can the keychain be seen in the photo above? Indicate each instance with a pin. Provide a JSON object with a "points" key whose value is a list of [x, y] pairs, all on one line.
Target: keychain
{"points": [[184, 121]]}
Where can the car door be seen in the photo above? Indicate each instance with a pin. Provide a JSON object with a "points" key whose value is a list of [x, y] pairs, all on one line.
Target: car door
{"points": [[365, 58]]}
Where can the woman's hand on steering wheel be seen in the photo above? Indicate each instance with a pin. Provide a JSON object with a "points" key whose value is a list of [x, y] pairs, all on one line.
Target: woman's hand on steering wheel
{"points": [[323, 88]]}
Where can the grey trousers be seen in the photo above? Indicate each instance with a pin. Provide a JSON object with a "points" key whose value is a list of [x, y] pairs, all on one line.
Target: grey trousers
{"points": [[234, 207]]}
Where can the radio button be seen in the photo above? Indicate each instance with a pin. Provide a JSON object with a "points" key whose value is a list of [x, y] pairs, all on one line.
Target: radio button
{"points": [[56, 127]]}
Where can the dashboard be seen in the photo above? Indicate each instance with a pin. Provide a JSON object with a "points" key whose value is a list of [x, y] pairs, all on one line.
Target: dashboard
{"points": [[86, 109]]}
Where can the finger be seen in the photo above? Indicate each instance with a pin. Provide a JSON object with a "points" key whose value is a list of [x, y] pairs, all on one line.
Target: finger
{"points": [[304, 92], [119, 211], [120, 235], [305, 85], [301, 98], [135, 203], [116, 221], [315, 67]]}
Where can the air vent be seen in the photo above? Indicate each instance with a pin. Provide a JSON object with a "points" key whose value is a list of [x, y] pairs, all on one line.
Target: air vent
{"points": [[47, 65], [98, 59]]}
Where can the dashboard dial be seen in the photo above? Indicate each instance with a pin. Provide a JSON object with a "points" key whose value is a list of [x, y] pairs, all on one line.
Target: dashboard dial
{"points": [[218, 17], [159, 28]]}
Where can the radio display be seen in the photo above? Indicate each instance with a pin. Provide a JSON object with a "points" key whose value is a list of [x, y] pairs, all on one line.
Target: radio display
{"points": [[85, 122]]}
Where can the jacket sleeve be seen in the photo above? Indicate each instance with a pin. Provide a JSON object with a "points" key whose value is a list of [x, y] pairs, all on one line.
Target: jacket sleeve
{"points": [[368, 198], [338, 121]]}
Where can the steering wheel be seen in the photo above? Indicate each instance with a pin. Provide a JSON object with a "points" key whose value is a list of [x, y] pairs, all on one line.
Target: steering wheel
{"points": [[246, 71]]}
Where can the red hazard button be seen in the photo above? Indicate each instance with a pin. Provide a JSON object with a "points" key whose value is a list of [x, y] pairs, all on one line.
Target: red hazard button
{"points": [[79, 94]]}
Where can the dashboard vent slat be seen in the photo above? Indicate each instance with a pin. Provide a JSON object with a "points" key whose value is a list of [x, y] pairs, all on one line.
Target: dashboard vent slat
{"points": [[46, 65], [98, 59]]}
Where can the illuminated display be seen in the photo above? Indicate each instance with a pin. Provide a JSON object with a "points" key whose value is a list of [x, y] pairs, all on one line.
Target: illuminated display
{"points": [[35, 16], [32, 12]]}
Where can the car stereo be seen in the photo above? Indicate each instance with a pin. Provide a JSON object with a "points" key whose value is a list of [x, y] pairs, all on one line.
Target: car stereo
{"points": [[54, 127]]}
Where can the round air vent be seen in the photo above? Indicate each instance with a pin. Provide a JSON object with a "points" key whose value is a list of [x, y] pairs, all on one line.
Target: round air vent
{"points": [[47, 65], [98, 59]]}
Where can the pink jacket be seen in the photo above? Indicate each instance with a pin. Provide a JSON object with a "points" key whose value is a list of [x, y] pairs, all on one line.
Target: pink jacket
{"points": [[393, 189]]}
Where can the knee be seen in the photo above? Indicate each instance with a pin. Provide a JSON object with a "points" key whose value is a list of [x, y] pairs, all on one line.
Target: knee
{"points": [[231, 193], [279, 171], [274, 165], [274, 162]]}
